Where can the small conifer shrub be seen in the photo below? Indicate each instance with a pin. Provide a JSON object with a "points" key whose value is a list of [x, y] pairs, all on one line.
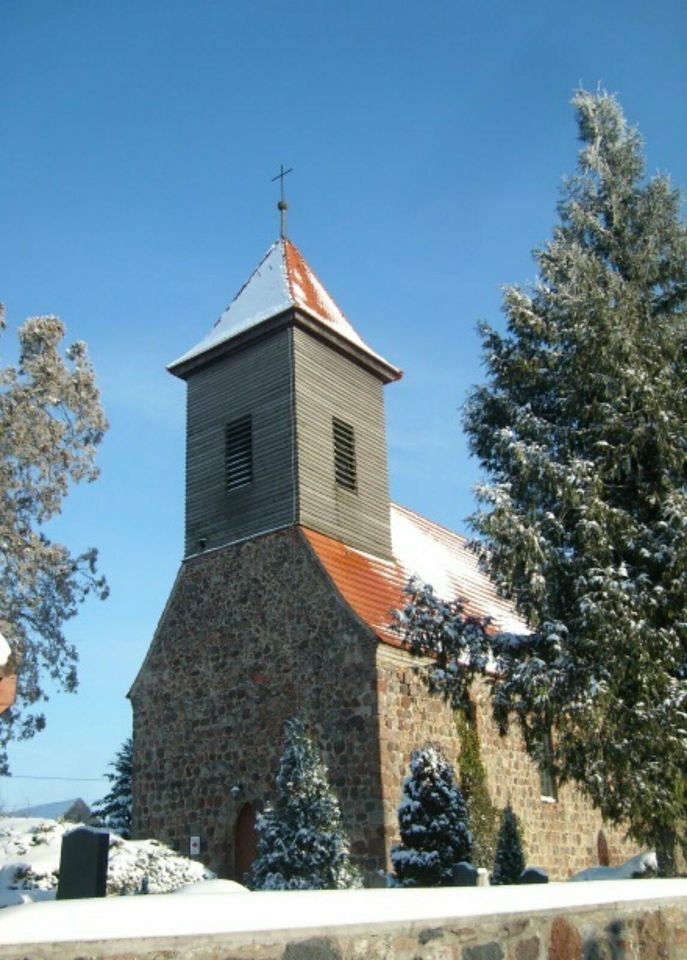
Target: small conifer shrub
{"points": [[114, 810], [433, 823], [509, 861], [301, 841], [482, 814]]}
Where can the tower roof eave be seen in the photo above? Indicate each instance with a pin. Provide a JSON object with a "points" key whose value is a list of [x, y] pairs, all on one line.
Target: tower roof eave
{"points": [[300, 317]]}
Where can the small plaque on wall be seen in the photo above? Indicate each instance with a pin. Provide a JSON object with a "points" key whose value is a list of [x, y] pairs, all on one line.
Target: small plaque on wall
{"points": [[194, 846]]}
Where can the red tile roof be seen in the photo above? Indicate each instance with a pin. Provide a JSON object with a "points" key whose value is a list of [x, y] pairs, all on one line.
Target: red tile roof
{"points": [[370, 586], [373, 587]]}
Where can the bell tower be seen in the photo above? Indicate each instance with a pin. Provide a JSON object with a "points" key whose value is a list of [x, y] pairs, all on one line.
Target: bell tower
{"points": [[285, 417]]}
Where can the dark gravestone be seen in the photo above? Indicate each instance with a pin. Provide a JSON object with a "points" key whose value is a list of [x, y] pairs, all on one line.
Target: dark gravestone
{"points": [[533, 875], [83, 864], [464, 875]]}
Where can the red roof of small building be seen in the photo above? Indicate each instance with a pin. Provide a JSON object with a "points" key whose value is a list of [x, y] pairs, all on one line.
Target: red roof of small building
{"points": [[8, 680], [8, 692], [373, 587]]}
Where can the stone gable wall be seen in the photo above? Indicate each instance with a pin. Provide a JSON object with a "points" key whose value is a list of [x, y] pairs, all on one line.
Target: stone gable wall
{"points": [[252, 635], [561, 837]]}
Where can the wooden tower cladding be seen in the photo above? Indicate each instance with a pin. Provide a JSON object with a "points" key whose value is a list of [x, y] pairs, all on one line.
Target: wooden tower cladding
{"points": [[285, 421]]}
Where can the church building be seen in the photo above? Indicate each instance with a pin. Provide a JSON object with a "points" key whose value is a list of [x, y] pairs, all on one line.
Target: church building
{"points": [[294, 559]]}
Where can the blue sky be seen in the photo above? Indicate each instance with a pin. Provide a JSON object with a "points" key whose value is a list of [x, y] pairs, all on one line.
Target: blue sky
{"points": [[428, 142]]}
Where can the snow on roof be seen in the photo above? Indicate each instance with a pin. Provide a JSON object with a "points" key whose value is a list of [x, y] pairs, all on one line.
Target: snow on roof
{"points": [[373, 587], [281, 281], [443, 558]]}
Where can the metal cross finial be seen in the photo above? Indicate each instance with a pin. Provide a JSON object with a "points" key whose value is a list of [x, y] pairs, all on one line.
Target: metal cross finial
{"points": [[282, 206]]}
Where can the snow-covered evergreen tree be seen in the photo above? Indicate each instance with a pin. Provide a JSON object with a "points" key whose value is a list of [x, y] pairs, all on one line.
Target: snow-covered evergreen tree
{"points": [[114, 810], [51, 423], [432, 821], [457, 643], [581, 430], [301, 841], [509, 860]]}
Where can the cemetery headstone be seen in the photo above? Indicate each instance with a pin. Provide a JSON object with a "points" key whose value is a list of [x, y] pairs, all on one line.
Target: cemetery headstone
{"points": [[533, 875], [464, 875], [83, 864]]}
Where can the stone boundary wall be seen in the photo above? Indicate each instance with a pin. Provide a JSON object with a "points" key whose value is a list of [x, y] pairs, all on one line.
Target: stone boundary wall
{"points": [[650, 929]]}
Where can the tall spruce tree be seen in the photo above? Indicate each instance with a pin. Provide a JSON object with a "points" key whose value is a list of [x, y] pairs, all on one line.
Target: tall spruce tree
{"points": [[301, 841], [433, 824], [114, 810], [581, 431], [509, 859]]}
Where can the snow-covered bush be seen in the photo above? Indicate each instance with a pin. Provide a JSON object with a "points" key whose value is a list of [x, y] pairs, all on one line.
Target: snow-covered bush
{"points": [[148, 864], [301, 841], [433, 824], [30, 859], [509, 861]]}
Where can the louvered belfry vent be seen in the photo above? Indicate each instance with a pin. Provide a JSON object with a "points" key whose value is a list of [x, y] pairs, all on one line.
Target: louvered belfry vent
{"points": [[344, 455], [239, 453]]}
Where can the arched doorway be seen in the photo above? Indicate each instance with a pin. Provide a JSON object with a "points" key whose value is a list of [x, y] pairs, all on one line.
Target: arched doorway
{"points": [[245, 841]]}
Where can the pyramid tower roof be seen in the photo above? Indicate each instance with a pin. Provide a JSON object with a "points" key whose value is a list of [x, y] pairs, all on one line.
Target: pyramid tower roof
{"points": [[282, 285]]}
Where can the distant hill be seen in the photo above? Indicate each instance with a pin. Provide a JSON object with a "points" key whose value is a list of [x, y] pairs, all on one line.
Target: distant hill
{"points": [[74, 811]]}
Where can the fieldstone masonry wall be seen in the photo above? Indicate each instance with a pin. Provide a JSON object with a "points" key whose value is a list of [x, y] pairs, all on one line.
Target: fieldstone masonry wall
{"points": [[559, 836], [254, 633]]}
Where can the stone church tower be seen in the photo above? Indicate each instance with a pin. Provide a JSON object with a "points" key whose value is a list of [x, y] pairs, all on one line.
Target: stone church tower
{"points": [[294, 559]]}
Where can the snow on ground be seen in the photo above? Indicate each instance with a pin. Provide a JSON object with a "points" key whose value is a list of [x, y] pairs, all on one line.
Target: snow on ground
{"points": [[167, 916], [30, 857], [642, 863]]}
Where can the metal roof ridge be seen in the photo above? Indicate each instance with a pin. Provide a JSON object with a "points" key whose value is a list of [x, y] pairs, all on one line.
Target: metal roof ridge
{"points": [[246, 283], [312, 301], [432, 523]]}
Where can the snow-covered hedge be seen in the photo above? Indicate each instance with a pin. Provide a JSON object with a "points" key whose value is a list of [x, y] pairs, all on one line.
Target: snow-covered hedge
{"points": [[30, 858]]}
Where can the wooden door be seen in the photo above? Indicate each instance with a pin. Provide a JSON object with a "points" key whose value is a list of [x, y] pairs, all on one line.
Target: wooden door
{"points": [[245, 841]]}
